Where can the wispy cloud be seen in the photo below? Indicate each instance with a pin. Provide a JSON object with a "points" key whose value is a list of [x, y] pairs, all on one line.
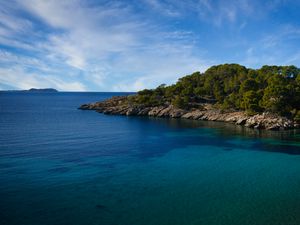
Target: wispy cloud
{"points": [[120, 45], [165, 8], [276, 48], [93, 39], [20, 78], [216, 12]]}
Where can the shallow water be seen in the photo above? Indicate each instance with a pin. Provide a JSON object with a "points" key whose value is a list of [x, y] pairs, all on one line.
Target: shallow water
{"points": [[60, 165]]}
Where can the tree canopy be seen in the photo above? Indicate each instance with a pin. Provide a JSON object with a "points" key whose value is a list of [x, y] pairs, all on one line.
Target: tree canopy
{"points": [[273, 89]]}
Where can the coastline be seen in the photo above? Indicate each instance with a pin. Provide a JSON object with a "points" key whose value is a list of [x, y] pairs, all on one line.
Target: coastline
{"points": [[119, 106]]}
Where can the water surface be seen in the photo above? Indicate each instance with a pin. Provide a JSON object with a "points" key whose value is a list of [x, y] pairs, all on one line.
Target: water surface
{"points": [[60, 165]]}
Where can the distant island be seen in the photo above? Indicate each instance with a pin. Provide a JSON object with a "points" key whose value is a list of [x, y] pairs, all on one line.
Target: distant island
{"points": [[36, 90], [265, 98], [42, 90]]}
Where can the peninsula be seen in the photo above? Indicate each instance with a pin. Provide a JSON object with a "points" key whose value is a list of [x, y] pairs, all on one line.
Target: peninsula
{"points": [[265, 98]]}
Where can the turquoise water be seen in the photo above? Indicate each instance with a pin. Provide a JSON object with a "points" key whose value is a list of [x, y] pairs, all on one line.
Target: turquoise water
{"points": [[60, 165]]}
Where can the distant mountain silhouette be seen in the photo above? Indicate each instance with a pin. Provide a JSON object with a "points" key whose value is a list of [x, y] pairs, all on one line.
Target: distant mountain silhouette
{"points": [[36, 90], [42, 90]]}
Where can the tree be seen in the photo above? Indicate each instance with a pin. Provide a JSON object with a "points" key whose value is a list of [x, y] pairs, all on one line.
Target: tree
{"points": [[248, 85], [276, 95], [180, 102], [270, 88], [250, 101]]}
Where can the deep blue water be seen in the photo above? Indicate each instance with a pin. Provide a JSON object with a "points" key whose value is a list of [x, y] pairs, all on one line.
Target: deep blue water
{"points": [[60, 166]]}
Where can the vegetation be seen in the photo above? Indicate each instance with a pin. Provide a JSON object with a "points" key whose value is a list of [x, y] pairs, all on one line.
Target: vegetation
{"points": [[273, 89]]}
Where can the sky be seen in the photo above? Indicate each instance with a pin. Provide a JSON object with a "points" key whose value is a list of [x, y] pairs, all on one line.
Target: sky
{"points": [[129, 45]]}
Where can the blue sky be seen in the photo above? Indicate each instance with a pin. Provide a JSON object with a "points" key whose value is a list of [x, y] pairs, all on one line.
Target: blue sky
{"points": [[77, 45]]}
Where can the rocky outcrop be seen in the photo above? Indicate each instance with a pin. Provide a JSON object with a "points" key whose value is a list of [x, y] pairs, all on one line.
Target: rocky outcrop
{"points": [[269, 121], [120, 106]]}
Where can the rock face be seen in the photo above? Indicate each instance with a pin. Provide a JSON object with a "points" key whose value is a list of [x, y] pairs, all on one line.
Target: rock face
{"points": [[269, 122], [119, 106]]}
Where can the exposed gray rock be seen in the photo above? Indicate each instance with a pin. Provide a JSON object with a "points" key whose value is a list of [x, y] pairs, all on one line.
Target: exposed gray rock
{"points": [[132, 111], [176, 113], [241, 121], [120, 106], [144, 111], [194, 115], [155, 110], [165, 112]]}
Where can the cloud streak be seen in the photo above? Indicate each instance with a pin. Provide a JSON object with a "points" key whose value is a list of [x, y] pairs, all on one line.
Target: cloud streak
{"points": [[113, 45], [88, 43]]}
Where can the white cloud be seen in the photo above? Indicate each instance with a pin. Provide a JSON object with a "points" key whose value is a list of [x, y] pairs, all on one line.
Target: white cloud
{"points": [[163, 8], [19, 78], [275, 48], [221, 12], [111, 45], [216, 12]]}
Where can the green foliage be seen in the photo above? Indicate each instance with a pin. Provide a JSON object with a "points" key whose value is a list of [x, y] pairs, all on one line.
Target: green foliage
{"points": [[297, 116], [250, 101], [249, 85], [270, 88], [232, 101], [149, 97], [276, 95], [180, 102]]}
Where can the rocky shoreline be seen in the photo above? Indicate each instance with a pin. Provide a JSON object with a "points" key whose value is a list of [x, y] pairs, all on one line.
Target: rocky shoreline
{"points": [[119, 106]]}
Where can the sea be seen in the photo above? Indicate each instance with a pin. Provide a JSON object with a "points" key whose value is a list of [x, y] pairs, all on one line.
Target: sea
{"points": [[60, 166]]}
